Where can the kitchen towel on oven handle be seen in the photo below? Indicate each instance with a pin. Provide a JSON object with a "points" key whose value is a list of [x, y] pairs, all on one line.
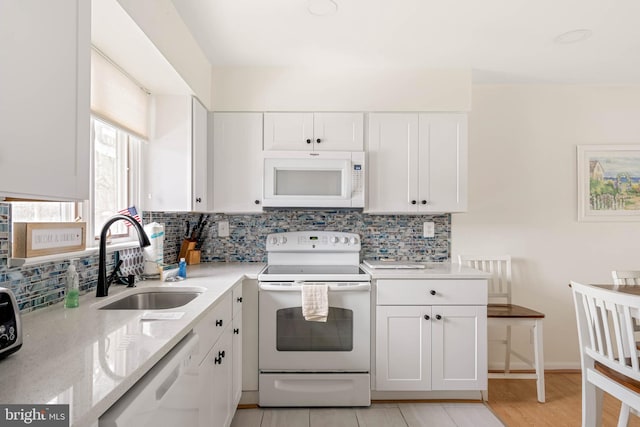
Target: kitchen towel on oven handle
{"points": [[315, 302]]}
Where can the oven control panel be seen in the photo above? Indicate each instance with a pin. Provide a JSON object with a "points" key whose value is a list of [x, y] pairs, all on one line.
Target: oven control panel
{"points": [[330, 241]]}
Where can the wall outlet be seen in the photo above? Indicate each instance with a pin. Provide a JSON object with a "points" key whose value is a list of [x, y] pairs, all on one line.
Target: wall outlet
{"points": [[429, 229], [223, 229]]}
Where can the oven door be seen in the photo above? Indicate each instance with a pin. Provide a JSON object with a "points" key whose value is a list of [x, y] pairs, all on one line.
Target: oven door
{"points": [[289, 343]]}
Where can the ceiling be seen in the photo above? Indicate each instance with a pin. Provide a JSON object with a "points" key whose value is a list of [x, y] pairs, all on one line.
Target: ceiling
{"points": [[502, 41]]}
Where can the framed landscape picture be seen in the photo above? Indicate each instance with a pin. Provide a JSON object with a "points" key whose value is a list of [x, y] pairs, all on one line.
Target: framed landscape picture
{"points": [[608, 182]]}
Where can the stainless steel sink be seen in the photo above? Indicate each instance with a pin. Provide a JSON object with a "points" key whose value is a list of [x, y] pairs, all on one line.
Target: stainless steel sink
{"points": [[153, 299]]}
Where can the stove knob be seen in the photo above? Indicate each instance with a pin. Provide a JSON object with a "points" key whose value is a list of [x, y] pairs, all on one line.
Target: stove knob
{"points": [[345, 240], [273, 240], [333, 239], [283, 240], [353, 240]]}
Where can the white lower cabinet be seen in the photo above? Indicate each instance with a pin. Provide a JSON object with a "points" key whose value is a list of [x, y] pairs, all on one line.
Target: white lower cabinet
{"points": [[431, 347]]}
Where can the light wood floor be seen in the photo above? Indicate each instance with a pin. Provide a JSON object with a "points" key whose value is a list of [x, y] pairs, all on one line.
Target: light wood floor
{"points": [[514, 401]]}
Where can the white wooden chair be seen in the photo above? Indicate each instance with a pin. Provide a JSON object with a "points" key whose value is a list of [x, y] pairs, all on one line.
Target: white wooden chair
{"points": [[631, 277], [503, 313], [605, 328]]}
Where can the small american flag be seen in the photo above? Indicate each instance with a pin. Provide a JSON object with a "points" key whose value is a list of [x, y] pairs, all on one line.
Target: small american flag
{"points": [[131, 211]]}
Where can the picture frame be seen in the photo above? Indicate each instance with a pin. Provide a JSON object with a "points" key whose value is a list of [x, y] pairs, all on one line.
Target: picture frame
{"points": [[608, 182]]}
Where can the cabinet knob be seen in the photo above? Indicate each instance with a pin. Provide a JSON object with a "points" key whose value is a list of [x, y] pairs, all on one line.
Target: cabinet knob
{"points": [[426, 317], [257, 202], [239, 299], [219, 322], [432, 292], [236, 331], [198, 200], [221, 353], [308, 141], [424, 202], [217, 360], [438, 317], [413, 202], [318, 140]]}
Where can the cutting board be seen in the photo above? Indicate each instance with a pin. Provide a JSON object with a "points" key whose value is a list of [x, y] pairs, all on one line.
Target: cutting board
{"points": [[393, 264]]}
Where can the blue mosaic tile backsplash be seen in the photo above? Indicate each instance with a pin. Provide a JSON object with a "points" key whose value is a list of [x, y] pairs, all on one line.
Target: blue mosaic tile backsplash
{"points": [[40, 285], [383, 236]]}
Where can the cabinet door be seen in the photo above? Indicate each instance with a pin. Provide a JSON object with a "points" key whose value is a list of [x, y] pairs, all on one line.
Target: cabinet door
{"points": [[237, 361], [236, 162], [167, 167], [403, 348], [199, 159], [222, 382], [44, 101], [459, 348], [338, 131], [392, 162], [442, 184], [288, 131]]}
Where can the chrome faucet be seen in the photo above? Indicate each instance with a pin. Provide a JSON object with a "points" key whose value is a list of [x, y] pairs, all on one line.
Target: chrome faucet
{"points": [[102, 289]]}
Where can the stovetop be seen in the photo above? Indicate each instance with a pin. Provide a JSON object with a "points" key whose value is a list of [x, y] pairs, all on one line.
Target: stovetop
{"points": [[282, 273]]}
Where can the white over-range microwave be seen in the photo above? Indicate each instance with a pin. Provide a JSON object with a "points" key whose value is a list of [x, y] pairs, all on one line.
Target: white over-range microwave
{"points": [[320, 179]]}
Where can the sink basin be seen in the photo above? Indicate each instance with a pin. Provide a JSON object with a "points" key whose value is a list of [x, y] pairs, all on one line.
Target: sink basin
{"points": [[154, 299]]}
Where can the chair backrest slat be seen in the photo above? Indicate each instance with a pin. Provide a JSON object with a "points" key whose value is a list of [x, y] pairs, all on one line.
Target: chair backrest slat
{"points": [[500, 268], [605, 327], [626, 277]]}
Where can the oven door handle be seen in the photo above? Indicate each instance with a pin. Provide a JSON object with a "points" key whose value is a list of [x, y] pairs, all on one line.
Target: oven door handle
{"points": [[333, 287]]}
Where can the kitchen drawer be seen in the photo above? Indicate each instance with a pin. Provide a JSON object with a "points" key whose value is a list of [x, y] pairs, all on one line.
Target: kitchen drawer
{"points": [[432, 292], [237, 299], [214, 323]]}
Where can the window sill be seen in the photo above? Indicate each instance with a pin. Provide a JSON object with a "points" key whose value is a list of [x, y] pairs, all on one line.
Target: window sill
{"points": [[21, 262]]}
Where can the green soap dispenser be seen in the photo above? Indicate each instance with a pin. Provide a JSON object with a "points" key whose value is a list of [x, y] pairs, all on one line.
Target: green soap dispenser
{"points": [[72, 292]]}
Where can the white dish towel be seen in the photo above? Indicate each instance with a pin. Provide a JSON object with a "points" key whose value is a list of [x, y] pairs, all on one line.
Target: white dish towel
{"points": [[315, 302]]}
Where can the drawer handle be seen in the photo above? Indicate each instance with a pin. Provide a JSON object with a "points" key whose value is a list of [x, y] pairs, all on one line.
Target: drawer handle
{"points": [[219, 322], [438, 317], [432, 292], [217, 360], [221, 353], [239, 299], [236, 331], [426, 317]]}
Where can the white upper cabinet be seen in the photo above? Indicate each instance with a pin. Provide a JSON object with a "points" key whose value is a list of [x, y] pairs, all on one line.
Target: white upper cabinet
{"points": [[417, 163], [44, 101], [199, 128], [236, 162], [313, 131], [175, 158]]}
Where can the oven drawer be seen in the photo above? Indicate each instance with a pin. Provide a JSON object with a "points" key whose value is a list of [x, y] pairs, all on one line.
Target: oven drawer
{"points": [[432, 292], [313, 389]]}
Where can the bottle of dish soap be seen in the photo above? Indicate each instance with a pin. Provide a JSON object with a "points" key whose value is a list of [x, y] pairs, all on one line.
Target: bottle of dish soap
{"points": [[72, 292], [182, 268]]}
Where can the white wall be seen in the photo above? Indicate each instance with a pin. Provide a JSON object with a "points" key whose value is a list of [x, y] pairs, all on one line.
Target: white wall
{"points": [[340, 89], [523, 196]]}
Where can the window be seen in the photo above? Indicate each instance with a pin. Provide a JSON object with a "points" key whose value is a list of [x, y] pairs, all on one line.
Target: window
{"points": [[115, 170], [120, 111]]}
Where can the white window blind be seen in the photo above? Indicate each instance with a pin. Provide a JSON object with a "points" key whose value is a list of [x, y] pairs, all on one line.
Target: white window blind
{"points": [[116, 98]]}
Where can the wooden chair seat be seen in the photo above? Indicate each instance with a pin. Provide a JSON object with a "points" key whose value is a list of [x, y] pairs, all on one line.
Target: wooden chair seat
{"points": [[512, 311], [616, 376]]}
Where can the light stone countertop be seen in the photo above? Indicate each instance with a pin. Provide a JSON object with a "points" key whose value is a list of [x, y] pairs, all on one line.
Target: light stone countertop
{"points": [[432, 270], [89, 358]]}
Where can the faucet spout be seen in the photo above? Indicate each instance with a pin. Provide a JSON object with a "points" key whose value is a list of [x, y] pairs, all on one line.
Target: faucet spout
{"points": [[102, 290]]}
